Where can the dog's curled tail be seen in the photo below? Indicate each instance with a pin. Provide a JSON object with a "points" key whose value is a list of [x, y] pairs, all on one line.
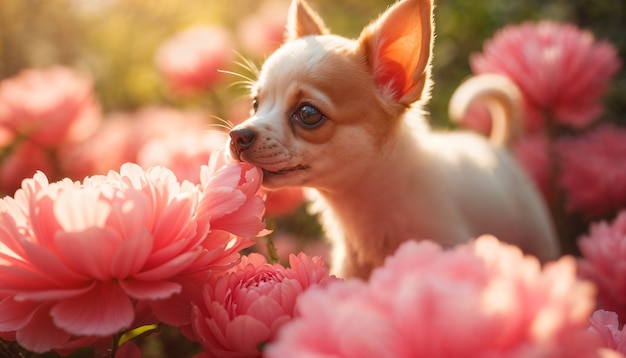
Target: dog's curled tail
{"points": [[499, 94]]}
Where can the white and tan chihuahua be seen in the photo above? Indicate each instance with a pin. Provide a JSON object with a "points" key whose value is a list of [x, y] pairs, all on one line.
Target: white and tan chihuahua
{"points": [[344, 117]]}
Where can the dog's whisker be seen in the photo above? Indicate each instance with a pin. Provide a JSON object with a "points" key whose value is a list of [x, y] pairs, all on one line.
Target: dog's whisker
{"points": [[248, 65], [221, 123], [244, 77], [246, 84]]}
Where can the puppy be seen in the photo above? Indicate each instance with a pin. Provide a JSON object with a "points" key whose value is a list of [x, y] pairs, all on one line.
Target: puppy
{"points": [[344, 117]]}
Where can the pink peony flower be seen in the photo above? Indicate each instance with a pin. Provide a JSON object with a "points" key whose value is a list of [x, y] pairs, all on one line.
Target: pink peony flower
{"points": [[481, 299], [263, 32], [604, 262], [562, 71], [243, 309], [606, 324], [50, 107], [591, 176], [77, 259], [191, 59]]}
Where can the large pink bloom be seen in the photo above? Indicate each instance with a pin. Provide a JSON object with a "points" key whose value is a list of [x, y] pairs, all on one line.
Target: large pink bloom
{"points": [[591, 173], [244, 309], [190, 60], [561, 70], [482, 299], [77, 259], [604, 262]]}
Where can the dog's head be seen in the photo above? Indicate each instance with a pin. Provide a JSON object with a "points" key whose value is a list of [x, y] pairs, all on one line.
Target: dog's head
{"points": [[324, 106]]}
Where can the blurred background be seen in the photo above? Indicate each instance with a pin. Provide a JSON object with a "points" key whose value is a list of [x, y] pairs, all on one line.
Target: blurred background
{"points": [[115, 41]]}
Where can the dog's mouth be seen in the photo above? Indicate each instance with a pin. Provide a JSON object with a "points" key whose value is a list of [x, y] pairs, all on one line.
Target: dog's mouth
{"points": [[283, 171]]}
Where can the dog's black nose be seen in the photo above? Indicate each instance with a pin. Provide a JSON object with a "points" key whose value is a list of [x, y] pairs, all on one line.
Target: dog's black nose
{"points": [[241, 139]]}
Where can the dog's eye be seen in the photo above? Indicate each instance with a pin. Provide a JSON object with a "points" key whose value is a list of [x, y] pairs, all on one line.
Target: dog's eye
{"points": [[308, 116], [255, 105]]}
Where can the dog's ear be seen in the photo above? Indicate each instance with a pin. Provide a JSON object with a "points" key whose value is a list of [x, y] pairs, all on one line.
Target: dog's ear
{"points": [[398, 47], [303, 21]]}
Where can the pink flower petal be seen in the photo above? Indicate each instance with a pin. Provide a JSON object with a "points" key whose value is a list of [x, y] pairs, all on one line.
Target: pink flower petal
{"points": [[50, 266], [170, 268], [266, 310], [78, 250], [131, 215], [131, 254], [245, 221], [149, 290], [54, 294], [175, 222], [15, 315], [77, 210], [222, 201], [246, 332], [103, 311], [41, 335]]}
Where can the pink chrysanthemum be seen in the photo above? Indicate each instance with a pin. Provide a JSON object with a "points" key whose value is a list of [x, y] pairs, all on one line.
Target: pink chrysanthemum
{"points": [[561, 70], [191, 59], [244, 309], [604, 262], [482, 299], [77, 258], [590, 176]]}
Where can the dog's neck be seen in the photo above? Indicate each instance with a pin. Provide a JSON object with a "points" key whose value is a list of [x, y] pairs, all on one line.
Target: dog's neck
{"points": [[371, 205]]}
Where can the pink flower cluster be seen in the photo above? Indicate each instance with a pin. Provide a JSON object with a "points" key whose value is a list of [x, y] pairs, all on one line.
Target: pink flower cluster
{"points": [[481, 299], [79, 261]]}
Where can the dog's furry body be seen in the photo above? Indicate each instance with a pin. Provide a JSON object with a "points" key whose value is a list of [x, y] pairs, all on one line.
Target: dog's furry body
{"points": [[344, 117]]}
